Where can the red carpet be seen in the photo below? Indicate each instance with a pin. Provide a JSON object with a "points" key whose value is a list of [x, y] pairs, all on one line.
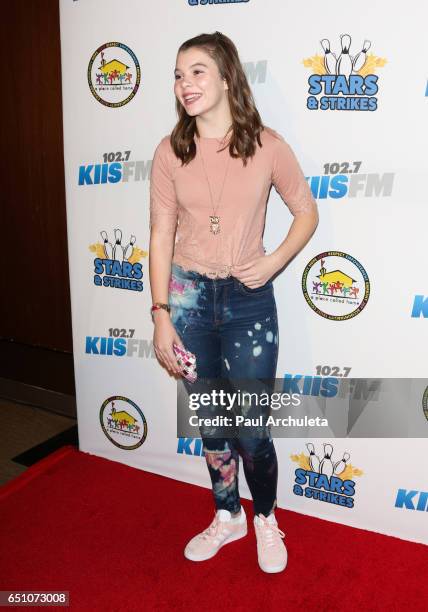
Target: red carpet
{"points": [[113, 536]]}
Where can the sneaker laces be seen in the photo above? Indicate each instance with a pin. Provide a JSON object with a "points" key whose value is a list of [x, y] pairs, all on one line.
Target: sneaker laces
{"points": [[212, 530], [269, 532]]}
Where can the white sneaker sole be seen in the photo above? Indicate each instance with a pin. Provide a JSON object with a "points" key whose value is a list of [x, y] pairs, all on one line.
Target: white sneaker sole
{"points": [[274, 568], [233, 538]]}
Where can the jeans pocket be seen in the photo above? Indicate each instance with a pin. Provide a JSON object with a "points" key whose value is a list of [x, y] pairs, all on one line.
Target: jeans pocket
{"points": [[262, 290]]}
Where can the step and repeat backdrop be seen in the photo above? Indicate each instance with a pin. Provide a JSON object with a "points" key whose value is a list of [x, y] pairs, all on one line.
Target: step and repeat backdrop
{"points": [[350, 97]]}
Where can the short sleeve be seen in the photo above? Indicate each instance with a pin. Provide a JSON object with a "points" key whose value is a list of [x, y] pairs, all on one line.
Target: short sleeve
{"points": [[289, 180], [163, 201]]}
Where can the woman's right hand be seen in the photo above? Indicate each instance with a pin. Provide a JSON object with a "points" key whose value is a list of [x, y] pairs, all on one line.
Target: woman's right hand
{"points": [[163, 338]]}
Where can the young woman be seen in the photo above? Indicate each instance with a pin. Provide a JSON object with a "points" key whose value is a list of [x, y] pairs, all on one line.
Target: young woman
{"points": [[211, 278]]}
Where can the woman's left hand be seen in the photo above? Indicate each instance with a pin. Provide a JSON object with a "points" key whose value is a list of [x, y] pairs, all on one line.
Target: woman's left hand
{"points": [[256, 272]]}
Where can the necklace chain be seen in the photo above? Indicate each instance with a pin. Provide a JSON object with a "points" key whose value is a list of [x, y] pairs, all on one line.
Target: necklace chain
{"points": [[214, 219]]}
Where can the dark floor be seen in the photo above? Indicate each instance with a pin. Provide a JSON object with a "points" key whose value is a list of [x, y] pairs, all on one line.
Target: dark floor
{"points": [[37, 406], [29, 434]]}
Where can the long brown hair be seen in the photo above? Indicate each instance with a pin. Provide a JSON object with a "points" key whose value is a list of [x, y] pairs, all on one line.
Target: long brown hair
{"points": [[246, 122]]}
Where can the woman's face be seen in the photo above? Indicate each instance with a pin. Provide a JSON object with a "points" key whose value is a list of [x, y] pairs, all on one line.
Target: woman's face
{"points": [[198, 84]]}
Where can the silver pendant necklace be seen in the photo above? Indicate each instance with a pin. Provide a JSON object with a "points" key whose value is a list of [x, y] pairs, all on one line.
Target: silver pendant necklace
{"points": [[214, 218]]}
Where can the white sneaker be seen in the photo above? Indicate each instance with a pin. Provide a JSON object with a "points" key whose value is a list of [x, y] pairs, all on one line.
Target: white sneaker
{"points": [[222, 530], [271, 551]]}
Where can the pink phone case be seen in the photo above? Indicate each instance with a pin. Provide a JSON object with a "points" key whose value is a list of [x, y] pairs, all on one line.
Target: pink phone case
{"points": [[187, 361]]}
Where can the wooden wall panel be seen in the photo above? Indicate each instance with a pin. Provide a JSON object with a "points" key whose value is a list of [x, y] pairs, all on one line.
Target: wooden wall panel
{"points": [[35, 302]]}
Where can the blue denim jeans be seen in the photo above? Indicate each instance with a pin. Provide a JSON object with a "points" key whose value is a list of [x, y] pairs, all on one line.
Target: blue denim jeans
{"points": [[233, 331]]}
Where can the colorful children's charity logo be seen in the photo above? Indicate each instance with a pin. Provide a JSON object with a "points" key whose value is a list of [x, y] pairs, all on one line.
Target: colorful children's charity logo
{"points": [[425, 403], [114, 74], [123, 422], [335, 285], [117, 265], [341, 81], [325, 478]]}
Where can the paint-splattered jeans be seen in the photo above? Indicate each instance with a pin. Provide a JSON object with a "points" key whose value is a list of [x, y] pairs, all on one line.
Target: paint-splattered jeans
{"points": [[233, 331]]}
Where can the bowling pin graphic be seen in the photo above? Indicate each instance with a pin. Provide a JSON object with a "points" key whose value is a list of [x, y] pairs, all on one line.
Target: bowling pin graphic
{"points": [[314, 460], [108, 247], [129, 249], [344, 61], [361, 57], [326, 465], [340, 466], [118, 248], [330, 59]]}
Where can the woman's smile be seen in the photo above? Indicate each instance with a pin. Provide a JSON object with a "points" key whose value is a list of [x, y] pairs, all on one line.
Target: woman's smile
{"points": [[191, 98]]}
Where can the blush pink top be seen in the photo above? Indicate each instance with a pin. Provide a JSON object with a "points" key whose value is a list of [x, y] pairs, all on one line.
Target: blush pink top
{"points": [[181, 194]]}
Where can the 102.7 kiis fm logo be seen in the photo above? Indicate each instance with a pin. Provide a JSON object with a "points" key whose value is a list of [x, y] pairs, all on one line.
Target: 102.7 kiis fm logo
{"points": [[117, 263], [120, 342], [344, 81], [116, 167], [344, 180]]}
